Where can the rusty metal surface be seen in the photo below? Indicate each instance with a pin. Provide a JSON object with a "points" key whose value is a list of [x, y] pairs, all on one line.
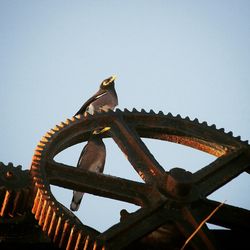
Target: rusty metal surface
{"points": [[176, 196], [15, 190]]}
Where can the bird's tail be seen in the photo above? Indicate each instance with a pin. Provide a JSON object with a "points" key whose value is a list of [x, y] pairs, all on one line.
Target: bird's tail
{"points": [[76, 200]]}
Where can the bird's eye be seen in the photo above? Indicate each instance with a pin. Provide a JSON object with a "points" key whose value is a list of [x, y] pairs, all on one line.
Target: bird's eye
{"points": [[106, 83]]}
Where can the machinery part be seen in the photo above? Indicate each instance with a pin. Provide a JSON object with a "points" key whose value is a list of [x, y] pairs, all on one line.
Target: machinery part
{"points": [[176, 196], [14, 190]]}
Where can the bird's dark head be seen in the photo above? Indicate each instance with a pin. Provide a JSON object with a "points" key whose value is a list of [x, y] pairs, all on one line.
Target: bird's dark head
{"points": [[108, 83]]}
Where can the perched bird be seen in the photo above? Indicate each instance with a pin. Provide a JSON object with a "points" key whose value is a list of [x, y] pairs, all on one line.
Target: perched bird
{"points": [[92, 158], [103, 100], [93, 155]]}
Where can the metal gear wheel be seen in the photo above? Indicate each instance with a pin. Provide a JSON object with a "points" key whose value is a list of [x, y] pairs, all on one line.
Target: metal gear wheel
{"points": [[14, 190], [175, 196]]}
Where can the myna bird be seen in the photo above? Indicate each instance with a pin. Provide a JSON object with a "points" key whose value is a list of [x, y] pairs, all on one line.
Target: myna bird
{"points": [[103, 100], [93, 155], [92, 158]]}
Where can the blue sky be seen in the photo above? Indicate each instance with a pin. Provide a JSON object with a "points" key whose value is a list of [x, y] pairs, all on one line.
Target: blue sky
{"points": [[185, 57]]}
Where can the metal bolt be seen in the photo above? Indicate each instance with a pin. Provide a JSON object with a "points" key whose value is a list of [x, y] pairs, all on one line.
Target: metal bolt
{"points": [[9, 174]]}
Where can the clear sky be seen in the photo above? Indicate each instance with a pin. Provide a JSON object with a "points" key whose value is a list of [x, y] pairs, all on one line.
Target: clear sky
{"points": [[185, 57]]}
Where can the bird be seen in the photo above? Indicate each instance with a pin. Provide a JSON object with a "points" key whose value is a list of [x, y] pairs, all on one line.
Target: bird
{"points": [[103, 100], [92, 158], [93, 155]]}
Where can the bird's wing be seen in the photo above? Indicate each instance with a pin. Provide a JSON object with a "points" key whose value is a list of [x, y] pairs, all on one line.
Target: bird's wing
{"points": [[92, 157], [97, 95], [80, 163]]}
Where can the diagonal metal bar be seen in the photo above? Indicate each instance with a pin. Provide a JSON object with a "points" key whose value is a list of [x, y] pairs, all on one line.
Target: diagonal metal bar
{"points": [[221, 171], [227, 216], [187, 225], [136, 225], [136, 152], [99, 184]]}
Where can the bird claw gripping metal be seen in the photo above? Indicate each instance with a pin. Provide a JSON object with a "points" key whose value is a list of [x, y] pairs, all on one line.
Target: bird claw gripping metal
{"points": [[175, 196]]}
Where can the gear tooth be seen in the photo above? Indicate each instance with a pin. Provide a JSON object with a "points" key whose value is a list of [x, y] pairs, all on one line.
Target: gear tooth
{"points": [[230, 133], [35, 203], [78, 117], [38, 209], [44, 139], [196, 120], [36, 158], [238, 138], [126, 110], [61, 125], [47, 218], [65, 234], [19, 167], [152, 111], [78, 240], [39, 149], [68, 121], [204, 123], [10, 164], [52, 226], [178, 116], [143, 111], [134, 110], [56, 128], [43, 212], [16, 208], [187, 118], [57, 229], [41, 144], [5, 204], [95, 245], [72, 119], [169, 114], [72, 238], [51, 132], [86, 243], [160, 113], [222, 130], [47, 136], [38, 153], [38, 183], [213, 126], [118, 110]]}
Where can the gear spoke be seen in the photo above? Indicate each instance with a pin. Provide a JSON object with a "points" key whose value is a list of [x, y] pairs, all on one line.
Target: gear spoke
{"points": [[137, 153], [221, 171], [227, 216], [99, 184], [135, 226]]}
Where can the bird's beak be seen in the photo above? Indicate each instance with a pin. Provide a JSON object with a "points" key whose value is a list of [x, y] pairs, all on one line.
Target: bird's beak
{"points": [[113, 78], [96, 132]]}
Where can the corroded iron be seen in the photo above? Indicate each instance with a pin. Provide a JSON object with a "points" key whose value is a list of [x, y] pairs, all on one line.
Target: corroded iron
{"points": [[175, 198], [15, 190]]}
